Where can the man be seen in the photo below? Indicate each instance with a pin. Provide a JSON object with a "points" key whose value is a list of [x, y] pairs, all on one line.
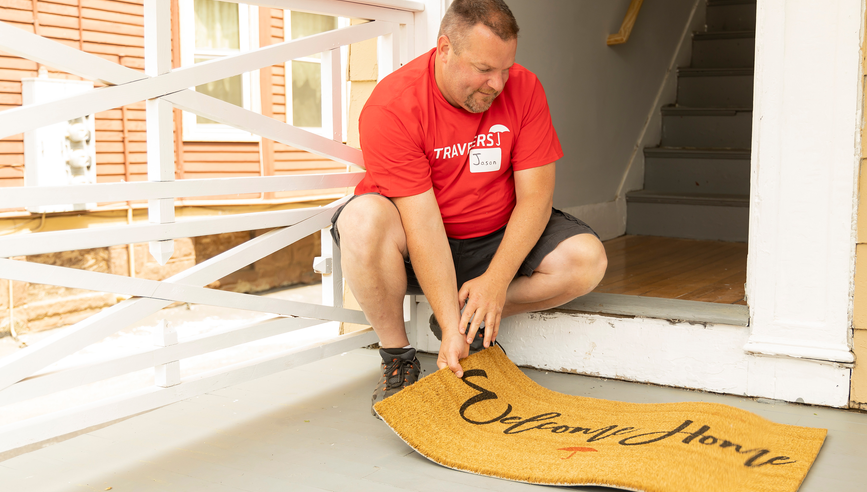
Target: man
{"points": [[457, 199]]}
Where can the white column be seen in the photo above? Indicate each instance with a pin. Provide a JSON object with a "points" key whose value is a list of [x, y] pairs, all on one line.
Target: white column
{"points": [[168, 374], [160, 148], [332, 271], [805, 155], [388, 52], [332, 99]]}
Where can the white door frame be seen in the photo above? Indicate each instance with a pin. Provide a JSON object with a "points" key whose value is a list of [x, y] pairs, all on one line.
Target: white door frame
{"points": [[805, 162]]}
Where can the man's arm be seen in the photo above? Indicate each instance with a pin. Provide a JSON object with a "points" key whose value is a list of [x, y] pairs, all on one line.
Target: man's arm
{"points": [[432, 262], [486, 295]]}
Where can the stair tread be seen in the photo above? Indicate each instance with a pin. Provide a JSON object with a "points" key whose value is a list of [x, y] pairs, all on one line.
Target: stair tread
{"points": [[688, 153], [709, 199], [693, 111], [714, 72], [704, 35], [713, 3]]}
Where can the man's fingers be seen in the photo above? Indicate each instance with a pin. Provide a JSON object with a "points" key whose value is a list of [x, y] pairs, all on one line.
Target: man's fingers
{"points": [[474, 327], [491, 324], [441, 364], [463, 294], [471, 332], [465, 320], [454, 364]]}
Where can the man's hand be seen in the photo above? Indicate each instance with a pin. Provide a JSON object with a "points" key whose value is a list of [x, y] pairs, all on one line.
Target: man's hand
{"points": [[452, 349], [432, 261], [484, 298]]}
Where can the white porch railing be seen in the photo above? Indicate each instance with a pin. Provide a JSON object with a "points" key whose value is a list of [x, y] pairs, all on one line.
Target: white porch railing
{"points": [[23, 376]]}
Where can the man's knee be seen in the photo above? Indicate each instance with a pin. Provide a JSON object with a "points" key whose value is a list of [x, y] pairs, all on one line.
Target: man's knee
{"points": [[368, 224], [583, 261]]}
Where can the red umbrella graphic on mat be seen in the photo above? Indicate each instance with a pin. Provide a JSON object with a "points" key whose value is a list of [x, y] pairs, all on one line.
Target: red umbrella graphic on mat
{"points": [[576, 450]]}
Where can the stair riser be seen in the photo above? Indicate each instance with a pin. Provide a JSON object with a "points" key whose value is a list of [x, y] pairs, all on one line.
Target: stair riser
{"points": [[688, 221], [729, 131], [723, 91], [731, 17], [723, 53], [717, 176]]}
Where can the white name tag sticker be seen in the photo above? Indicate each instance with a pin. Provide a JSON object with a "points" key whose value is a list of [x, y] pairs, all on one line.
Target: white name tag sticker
{"points": [[485, 160]]}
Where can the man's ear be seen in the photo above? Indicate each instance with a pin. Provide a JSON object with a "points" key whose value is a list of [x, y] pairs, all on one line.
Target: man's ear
{"points": [[444, 47]]}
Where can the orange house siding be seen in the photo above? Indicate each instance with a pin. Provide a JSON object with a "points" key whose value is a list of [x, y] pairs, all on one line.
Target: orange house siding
{"points": [[93, 25]]}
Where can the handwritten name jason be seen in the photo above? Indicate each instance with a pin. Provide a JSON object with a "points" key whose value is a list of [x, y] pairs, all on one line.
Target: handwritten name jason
{"points": [[545, 422]]}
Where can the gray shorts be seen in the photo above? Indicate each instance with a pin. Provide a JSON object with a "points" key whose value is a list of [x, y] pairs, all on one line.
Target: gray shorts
{"points": [[472, 256]]}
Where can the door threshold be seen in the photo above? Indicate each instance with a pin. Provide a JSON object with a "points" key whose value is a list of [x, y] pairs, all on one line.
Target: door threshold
{"points": [[660, 308]]}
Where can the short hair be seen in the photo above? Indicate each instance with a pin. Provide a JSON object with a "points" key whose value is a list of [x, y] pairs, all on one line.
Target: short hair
{"points": [[463, 15]]}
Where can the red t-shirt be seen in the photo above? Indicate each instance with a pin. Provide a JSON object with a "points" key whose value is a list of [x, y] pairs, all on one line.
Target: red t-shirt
{"points": [[412, 139]]}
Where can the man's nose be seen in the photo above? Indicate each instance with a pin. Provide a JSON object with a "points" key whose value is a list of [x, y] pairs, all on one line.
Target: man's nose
{"points": [[497, 82]]}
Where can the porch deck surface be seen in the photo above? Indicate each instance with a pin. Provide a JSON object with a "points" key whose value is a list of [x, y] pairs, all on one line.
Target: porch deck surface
{"points": [[310, 429], [674, 268]]}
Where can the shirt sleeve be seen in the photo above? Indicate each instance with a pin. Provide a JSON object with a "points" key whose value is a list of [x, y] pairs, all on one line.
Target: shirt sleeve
{"points": [[395, 161], [537, 143]]}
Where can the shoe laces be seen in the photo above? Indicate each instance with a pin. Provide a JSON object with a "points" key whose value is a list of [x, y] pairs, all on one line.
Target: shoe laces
{"points": [[398, 373]]}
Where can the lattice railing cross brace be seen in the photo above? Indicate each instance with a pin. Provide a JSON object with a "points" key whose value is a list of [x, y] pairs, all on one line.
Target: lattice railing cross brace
{"points": [[25, 363], [164, 88], [173, 86]]}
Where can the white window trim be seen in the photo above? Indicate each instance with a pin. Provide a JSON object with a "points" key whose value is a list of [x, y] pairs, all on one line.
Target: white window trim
{"points": [[344, 62], [248, 20]]}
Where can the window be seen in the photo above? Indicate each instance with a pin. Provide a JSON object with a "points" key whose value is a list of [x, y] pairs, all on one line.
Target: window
{"points": [[210, 30], [304, 84]]}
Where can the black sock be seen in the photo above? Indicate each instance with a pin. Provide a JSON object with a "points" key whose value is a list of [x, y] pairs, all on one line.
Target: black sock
{"points": [[397, 351]]}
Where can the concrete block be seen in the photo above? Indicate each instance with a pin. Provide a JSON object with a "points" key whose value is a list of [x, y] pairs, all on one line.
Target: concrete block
{"points": [[69, 304], [118, 260], [206, 247], [51, 322], [95, 260], [154, 271], [184, 248]]}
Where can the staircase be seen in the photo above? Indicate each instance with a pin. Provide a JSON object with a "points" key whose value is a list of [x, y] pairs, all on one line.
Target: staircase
{"points": [[697, 182]]}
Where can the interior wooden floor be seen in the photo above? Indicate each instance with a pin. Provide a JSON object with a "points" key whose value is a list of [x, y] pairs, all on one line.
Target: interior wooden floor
{"points": [[672, 268]]}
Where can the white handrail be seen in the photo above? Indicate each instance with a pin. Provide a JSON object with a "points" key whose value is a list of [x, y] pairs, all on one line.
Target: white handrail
{"points": [[20, 376], [25, 118], [148, 190]]}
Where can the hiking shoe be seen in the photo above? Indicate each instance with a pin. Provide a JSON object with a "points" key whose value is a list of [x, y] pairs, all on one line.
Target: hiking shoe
{"points": [[398, 372], [478, 342]]}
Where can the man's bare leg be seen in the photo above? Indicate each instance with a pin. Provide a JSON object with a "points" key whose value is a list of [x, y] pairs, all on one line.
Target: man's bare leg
{"points": [[574, 268], [373, 248]]}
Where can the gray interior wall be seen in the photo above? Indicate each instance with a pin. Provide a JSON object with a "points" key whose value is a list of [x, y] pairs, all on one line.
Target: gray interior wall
{"points": [[600, 96]]}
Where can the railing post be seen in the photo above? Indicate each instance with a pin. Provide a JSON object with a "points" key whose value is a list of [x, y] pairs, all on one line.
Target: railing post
{"points": [[168, 374], [328, 265], [332, 114], [160, 122], [332, 100], [388, 52]]}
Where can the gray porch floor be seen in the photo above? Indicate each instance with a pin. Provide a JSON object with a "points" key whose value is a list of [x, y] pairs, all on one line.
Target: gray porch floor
{"points": [[310, 429]]}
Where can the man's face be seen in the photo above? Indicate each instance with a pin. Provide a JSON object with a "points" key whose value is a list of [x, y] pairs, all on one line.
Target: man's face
{"points": [[475, 76]]}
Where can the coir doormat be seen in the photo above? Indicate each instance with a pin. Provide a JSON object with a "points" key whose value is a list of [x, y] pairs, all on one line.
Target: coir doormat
{"points": [[498, 422]]}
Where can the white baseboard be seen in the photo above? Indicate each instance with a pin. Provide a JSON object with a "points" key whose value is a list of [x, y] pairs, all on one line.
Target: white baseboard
{"points": [[608, 219]]}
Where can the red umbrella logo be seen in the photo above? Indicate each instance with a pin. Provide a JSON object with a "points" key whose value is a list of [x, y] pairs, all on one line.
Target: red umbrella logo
{"points": [[576, 450]]}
